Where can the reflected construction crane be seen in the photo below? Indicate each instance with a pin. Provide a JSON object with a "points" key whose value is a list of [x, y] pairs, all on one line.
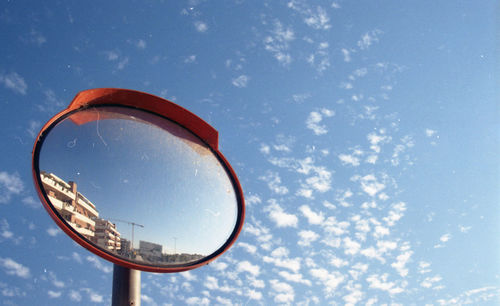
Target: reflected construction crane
{"points": [[133, 224]]}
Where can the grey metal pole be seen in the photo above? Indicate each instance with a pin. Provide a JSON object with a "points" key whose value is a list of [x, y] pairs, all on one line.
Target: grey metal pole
{"points": [[126, 286]]}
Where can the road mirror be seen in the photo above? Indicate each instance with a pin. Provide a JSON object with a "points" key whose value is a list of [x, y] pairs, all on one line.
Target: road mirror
{"points": [[138, 180]]}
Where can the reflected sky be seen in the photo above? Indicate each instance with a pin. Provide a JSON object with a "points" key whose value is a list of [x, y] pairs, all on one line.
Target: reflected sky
{"points": [[162, 178]]}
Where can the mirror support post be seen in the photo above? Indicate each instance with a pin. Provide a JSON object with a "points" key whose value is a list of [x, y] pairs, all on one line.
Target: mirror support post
{"points": [[126, 286]]}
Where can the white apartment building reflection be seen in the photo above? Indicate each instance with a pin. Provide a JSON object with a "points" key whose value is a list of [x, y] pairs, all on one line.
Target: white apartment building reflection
{"points": [[106, 235], [79, 212], [76, 210]]}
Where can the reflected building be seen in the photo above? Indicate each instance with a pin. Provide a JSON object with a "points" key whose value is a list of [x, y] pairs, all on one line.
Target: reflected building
{"points": [[126, 246], [106, 235], [150, 251], [75, 208]]}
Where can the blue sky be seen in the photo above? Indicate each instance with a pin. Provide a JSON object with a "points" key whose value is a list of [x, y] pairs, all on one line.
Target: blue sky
{"points": [[364, 133]]}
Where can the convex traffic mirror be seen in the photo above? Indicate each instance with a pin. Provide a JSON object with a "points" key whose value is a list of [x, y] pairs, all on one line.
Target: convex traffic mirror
{"points": [[138, 180]]}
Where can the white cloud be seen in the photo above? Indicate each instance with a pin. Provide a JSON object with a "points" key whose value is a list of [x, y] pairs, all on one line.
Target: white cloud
{"points": [[320, 58], [445, 238], [423, 267], [223, 301], [368, 39], [294, 277], [369, 184], [318, 20], [241, 81], [200, 26], [284, 293], [53, 278], [190, 59], [280, 252], [380, 282], [312, 217], [122, 63], [141, 44], [349, 159], [396, 213], [429, 281], [329, 280], [355, 294], [5, 230], [252, 199], [274, 183], [430, 132], [75, 296], [300, 98], [34, 37], [54, 294], [376, 139], [374, 253], [331, 225], [315, 18], [53, 231], [15, 82], [248, 247], [246, 266], [464, 229], [253, 295], [314, 119], [188, 275], [197, 301], [477, 296], [306, 237], [33, 128], [280, 217], [338, 262], [320, 182], [400, 263], [77, 257], [111, 55], [12, 267], [265, 149], [351, 247], [278, 43], [218, 265], [97, 263], [372, 159], [279, 257], [147, 299], [94, 296], [380, 231], [347, 55], [211, 283]]}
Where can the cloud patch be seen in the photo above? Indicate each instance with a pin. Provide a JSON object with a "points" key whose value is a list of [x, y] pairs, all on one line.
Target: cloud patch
{"points": [[280, 217], [10, 184], [12, 267], [314, 119], [14, 82]]}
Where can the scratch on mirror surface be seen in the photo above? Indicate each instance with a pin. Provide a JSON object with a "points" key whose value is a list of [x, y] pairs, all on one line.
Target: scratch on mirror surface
{"points": [[71, 143], [215, 214], [97, 130]]}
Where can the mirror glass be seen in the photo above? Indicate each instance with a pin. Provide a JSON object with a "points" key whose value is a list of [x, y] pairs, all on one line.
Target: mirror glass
{"points": [[138, 185]]}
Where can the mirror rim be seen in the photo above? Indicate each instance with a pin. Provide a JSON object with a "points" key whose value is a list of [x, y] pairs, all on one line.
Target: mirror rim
{"points": [[166, 109]]}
